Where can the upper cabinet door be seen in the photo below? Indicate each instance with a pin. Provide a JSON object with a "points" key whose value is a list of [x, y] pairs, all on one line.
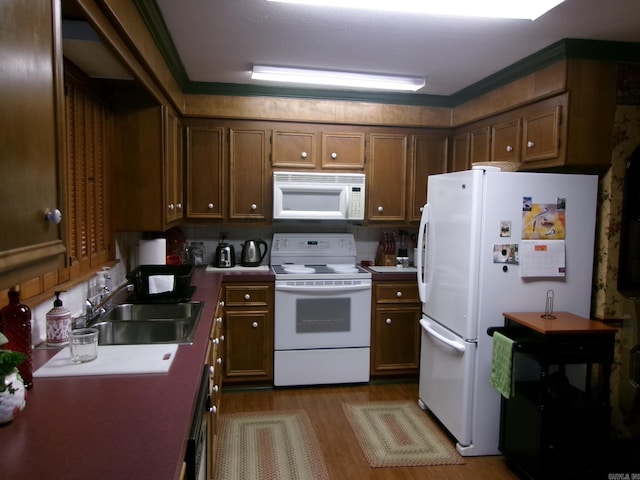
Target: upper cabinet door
{"points": [[206, 188], [343, 150], [293, 149], [387, 183], [429, 157], [31, 100], [460, 153], [541, 133], [248, 174], [173, 167], [505, 141]]}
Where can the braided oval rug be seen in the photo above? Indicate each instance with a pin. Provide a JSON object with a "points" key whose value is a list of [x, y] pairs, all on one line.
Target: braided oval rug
{"points": [[399, 434], [274, 445]]}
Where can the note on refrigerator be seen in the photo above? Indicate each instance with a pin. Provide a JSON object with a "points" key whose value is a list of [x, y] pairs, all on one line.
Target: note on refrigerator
{"points": [[542, 258]]}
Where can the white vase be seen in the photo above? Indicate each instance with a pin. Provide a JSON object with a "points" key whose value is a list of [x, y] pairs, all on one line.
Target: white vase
{"points": [[12, 397]]}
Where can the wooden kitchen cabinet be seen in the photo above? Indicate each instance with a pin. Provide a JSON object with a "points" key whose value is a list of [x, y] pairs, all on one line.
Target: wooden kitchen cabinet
{"points": [[541, 131], [505, 141], [294, 149], [480, 145], [215, 359], [343, 150], [249, 174], [147, 164], [173, 167], [395, 329], [249, 333], [30, 103], [387, 179], [460, 153], [428, 157], [205, 159]]}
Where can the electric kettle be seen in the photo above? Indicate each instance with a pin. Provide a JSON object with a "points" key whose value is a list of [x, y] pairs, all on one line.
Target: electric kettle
{"points": [[225, 256], [252, 254]]}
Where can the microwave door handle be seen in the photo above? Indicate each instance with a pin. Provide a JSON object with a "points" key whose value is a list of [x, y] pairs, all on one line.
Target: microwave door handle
{"points": [[323, 289]]}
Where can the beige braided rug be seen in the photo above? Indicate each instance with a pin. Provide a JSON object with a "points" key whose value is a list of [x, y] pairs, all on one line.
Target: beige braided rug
{"points": [[268, 446], [399, 434]]}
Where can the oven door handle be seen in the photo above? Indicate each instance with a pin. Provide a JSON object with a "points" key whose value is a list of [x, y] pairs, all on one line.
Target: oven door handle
{"points": [[322, 288]]}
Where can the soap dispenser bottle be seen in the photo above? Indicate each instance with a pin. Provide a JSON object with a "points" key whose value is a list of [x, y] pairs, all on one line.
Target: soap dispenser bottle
{"points": [[58, 324]]}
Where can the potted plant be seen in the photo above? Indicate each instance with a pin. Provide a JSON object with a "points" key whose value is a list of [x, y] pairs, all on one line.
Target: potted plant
{"points": [[12, 391]]}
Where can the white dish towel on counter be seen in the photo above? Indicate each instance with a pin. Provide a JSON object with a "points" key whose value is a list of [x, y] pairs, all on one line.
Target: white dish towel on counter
{"points": [[161, 283]]}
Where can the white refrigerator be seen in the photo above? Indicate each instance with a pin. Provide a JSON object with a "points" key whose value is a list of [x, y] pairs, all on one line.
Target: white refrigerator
{"points": [[494, 242]]}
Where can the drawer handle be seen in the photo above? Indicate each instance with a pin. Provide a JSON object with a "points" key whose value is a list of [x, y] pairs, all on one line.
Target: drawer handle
{"points": [[304, 155], [509, 148], [247, 297], [254, 207], [399, 294], [380, 209], [388, 321], [334, 155], [530, 144], [254, 324]]}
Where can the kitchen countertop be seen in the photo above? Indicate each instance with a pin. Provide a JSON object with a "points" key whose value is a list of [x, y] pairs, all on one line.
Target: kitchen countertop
{"points": [[112, 427]]}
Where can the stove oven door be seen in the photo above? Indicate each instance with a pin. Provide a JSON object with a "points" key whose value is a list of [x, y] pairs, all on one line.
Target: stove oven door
{"points": [[322, 314]]}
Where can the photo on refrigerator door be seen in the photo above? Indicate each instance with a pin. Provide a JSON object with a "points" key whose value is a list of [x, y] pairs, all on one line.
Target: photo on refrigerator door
{"points": [[543, 220]]}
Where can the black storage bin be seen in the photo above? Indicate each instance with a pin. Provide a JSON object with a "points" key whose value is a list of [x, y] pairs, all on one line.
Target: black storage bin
{"points": [[139, 277]]}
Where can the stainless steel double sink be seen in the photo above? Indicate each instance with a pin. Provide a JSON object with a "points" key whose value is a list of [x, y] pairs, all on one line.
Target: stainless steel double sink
{"points": [[134, 324]]}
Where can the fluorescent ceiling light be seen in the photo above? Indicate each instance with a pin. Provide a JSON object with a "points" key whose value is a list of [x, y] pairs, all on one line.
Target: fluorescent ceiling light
{"points": [[528, 9], [337, 79]]}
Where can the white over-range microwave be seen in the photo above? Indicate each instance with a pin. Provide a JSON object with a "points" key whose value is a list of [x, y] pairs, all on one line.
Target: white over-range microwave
{"points": [[318, 196]]}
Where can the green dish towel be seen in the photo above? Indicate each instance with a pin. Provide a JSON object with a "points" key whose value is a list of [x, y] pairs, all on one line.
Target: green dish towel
{"points": [[502, 364]]}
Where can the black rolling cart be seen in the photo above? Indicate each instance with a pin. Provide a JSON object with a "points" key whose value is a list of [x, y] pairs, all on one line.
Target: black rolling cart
{"points": [[556, 422]]}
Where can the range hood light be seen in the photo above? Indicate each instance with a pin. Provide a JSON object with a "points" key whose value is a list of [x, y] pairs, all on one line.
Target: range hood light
{"points": [[530, 9], [336, 79]]}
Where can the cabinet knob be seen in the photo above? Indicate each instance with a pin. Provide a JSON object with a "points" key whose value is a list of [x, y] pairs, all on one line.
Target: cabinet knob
{"points": [[380, 209], [221, 303], [218, 319], [170, 207], [254, 324], [303, 154], [219, 361], [421, 209], [215, 389], [210, 206], [222, 338], [211, 370], [509, 148], [334, 155], [254, 206], [399, 294], [213, 409], [388, 321], [247, 297], [530, 144], [53, 217], [179, 206], [215, 341]]}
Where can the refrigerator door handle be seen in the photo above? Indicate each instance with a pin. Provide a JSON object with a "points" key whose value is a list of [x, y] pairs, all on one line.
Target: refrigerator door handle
{"points": [[460, 347], [424, 283]]}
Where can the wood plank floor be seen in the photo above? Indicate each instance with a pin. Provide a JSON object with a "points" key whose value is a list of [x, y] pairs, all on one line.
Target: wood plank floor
{"points": [[339, 445]]}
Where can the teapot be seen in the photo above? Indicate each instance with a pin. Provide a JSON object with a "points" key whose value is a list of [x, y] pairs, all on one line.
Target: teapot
{"points": [[252, 255]]}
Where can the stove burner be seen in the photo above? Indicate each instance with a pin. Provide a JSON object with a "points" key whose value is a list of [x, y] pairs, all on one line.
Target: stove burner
{"points": [[299, 269], [346, 268]]}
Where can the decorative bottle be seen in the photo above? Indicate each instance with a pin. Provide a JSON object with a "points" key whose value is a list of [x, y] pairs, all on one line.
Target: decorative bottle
{"points": [[15, 323], [58, 324]]}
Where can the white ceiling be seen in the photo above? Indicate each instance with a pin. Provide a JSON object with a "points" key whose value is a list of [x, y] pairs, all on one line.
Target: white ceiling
{"points": [[219, 40]]}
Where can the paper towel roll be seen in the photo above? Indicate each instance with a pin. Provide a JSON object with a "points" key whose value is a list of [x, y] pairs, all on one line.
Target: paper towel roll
{"points": [[153, 252]]}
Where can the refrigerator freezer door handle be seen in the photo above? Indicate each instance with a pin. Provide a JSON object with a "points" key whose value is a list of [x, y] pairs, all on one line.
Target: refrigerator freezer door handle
{"points": [[460, 347]]}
